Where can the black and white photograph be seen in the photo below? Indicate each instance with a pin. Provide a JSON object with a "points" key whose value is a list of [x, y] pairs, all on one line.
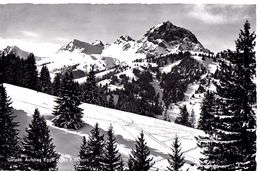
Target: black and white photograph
{"points": [[88, 86]]}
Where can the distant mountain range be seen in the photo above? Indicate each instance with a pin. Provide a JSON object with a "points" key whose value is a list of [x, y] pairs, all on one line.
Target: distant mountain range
{"points": [[153, 52], [161, 39]]}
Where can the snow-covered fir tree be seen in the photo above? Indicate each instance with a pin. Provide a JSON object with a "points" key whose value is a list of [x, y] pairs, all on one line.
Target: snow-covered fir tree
{"points": [[9, 148], [68, 113], [139, 157], [130, 164], [31, 79], [183, 117], [192, 119], [39, 151], [121, 165], [83, 155], [90, 89], [144, 107], [56, 85], [231, 145], [45, 80], [92, 152], [176, 158], [208, 109], [112, 158], [111, 103]]}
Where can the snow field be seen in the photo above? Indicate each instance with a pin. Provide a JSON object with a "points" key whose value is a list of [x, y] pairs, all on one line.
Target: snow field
{"points": [[158, 134]]}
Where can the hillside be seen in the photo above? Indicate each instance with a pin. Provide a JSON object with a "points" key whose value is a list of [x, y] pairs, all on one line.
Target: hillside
{"points": [[159, 134]]}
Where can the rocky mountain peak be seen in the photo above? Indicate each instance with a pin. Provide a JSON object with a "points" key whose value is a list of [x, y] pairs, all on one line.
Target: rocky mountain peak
{"points": [[169, 33], [94, 48], [15, 50], [124, 38]]}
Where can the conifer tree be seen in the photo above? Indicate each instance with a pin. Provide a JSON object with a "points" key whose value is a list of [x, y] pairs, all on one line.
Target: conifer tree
{"points": [[68, 112], [183, 117], [45, 80], [31, 74], [111, 157], [231, 145], [92, 151], [140, 155], [245, 45], [192, 119], [9, 148], [208, 109], [176, 159], [111, 102], [121, 165], [39, 150], [90, 89], [130, 164], [83, 155], [144, 107], [56, 85]]}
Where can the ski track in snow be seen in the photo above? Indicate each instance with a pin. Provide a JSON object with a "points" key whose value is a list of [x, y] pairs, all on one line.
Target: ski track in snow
{"points": [[159, 134]]}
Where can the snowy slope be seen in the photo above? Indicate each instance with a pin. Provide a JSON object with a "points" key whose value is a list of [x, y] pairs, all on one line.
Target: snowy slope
{"points": [[194, 103], [78, 55], [127, 126], [167, 68], [124, 49], [76, 59]]}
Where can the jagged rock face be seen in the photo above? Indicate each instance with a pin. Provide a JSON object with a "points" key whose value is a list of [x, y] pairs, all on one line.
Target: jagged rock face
{"points": [[124, 39], [15, 50], [83, 47], [172, 38], [169, 32]]}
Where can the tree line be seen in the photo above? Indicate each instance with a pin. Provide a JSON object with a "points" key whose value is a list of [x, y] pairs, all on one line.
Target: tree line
{"points": [[23, 72]]}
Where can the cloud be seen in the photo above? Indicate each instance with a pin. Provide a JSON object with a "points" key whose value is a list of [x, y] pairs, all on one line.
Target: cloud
{"points": [[29, 33], [221, 13], [203, 13]]}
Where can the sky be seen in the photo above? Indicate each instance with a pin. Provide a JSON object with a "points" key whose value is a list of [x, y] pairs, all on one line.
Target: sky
{"points": [[43, 29]]}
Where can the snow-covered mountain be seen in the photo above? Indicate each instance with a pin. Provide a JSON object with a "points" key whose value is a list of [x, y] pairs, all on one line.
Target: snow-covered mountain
{"points": [[172, 38], [17, 51], [127, 126], [82, 47], [124, 49], [79, 56], [162, 39]]}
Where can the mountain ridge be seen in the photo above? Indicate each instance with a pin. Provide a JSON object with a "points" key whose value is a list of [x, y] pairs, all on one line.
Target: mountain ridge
{"points": [[18, 52], [83, 47]]}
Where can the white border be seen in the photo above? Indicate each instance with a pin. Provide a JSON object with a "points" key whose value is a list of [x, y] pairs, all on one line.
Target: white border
{"points": [[170, 2], [129, 1]]}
